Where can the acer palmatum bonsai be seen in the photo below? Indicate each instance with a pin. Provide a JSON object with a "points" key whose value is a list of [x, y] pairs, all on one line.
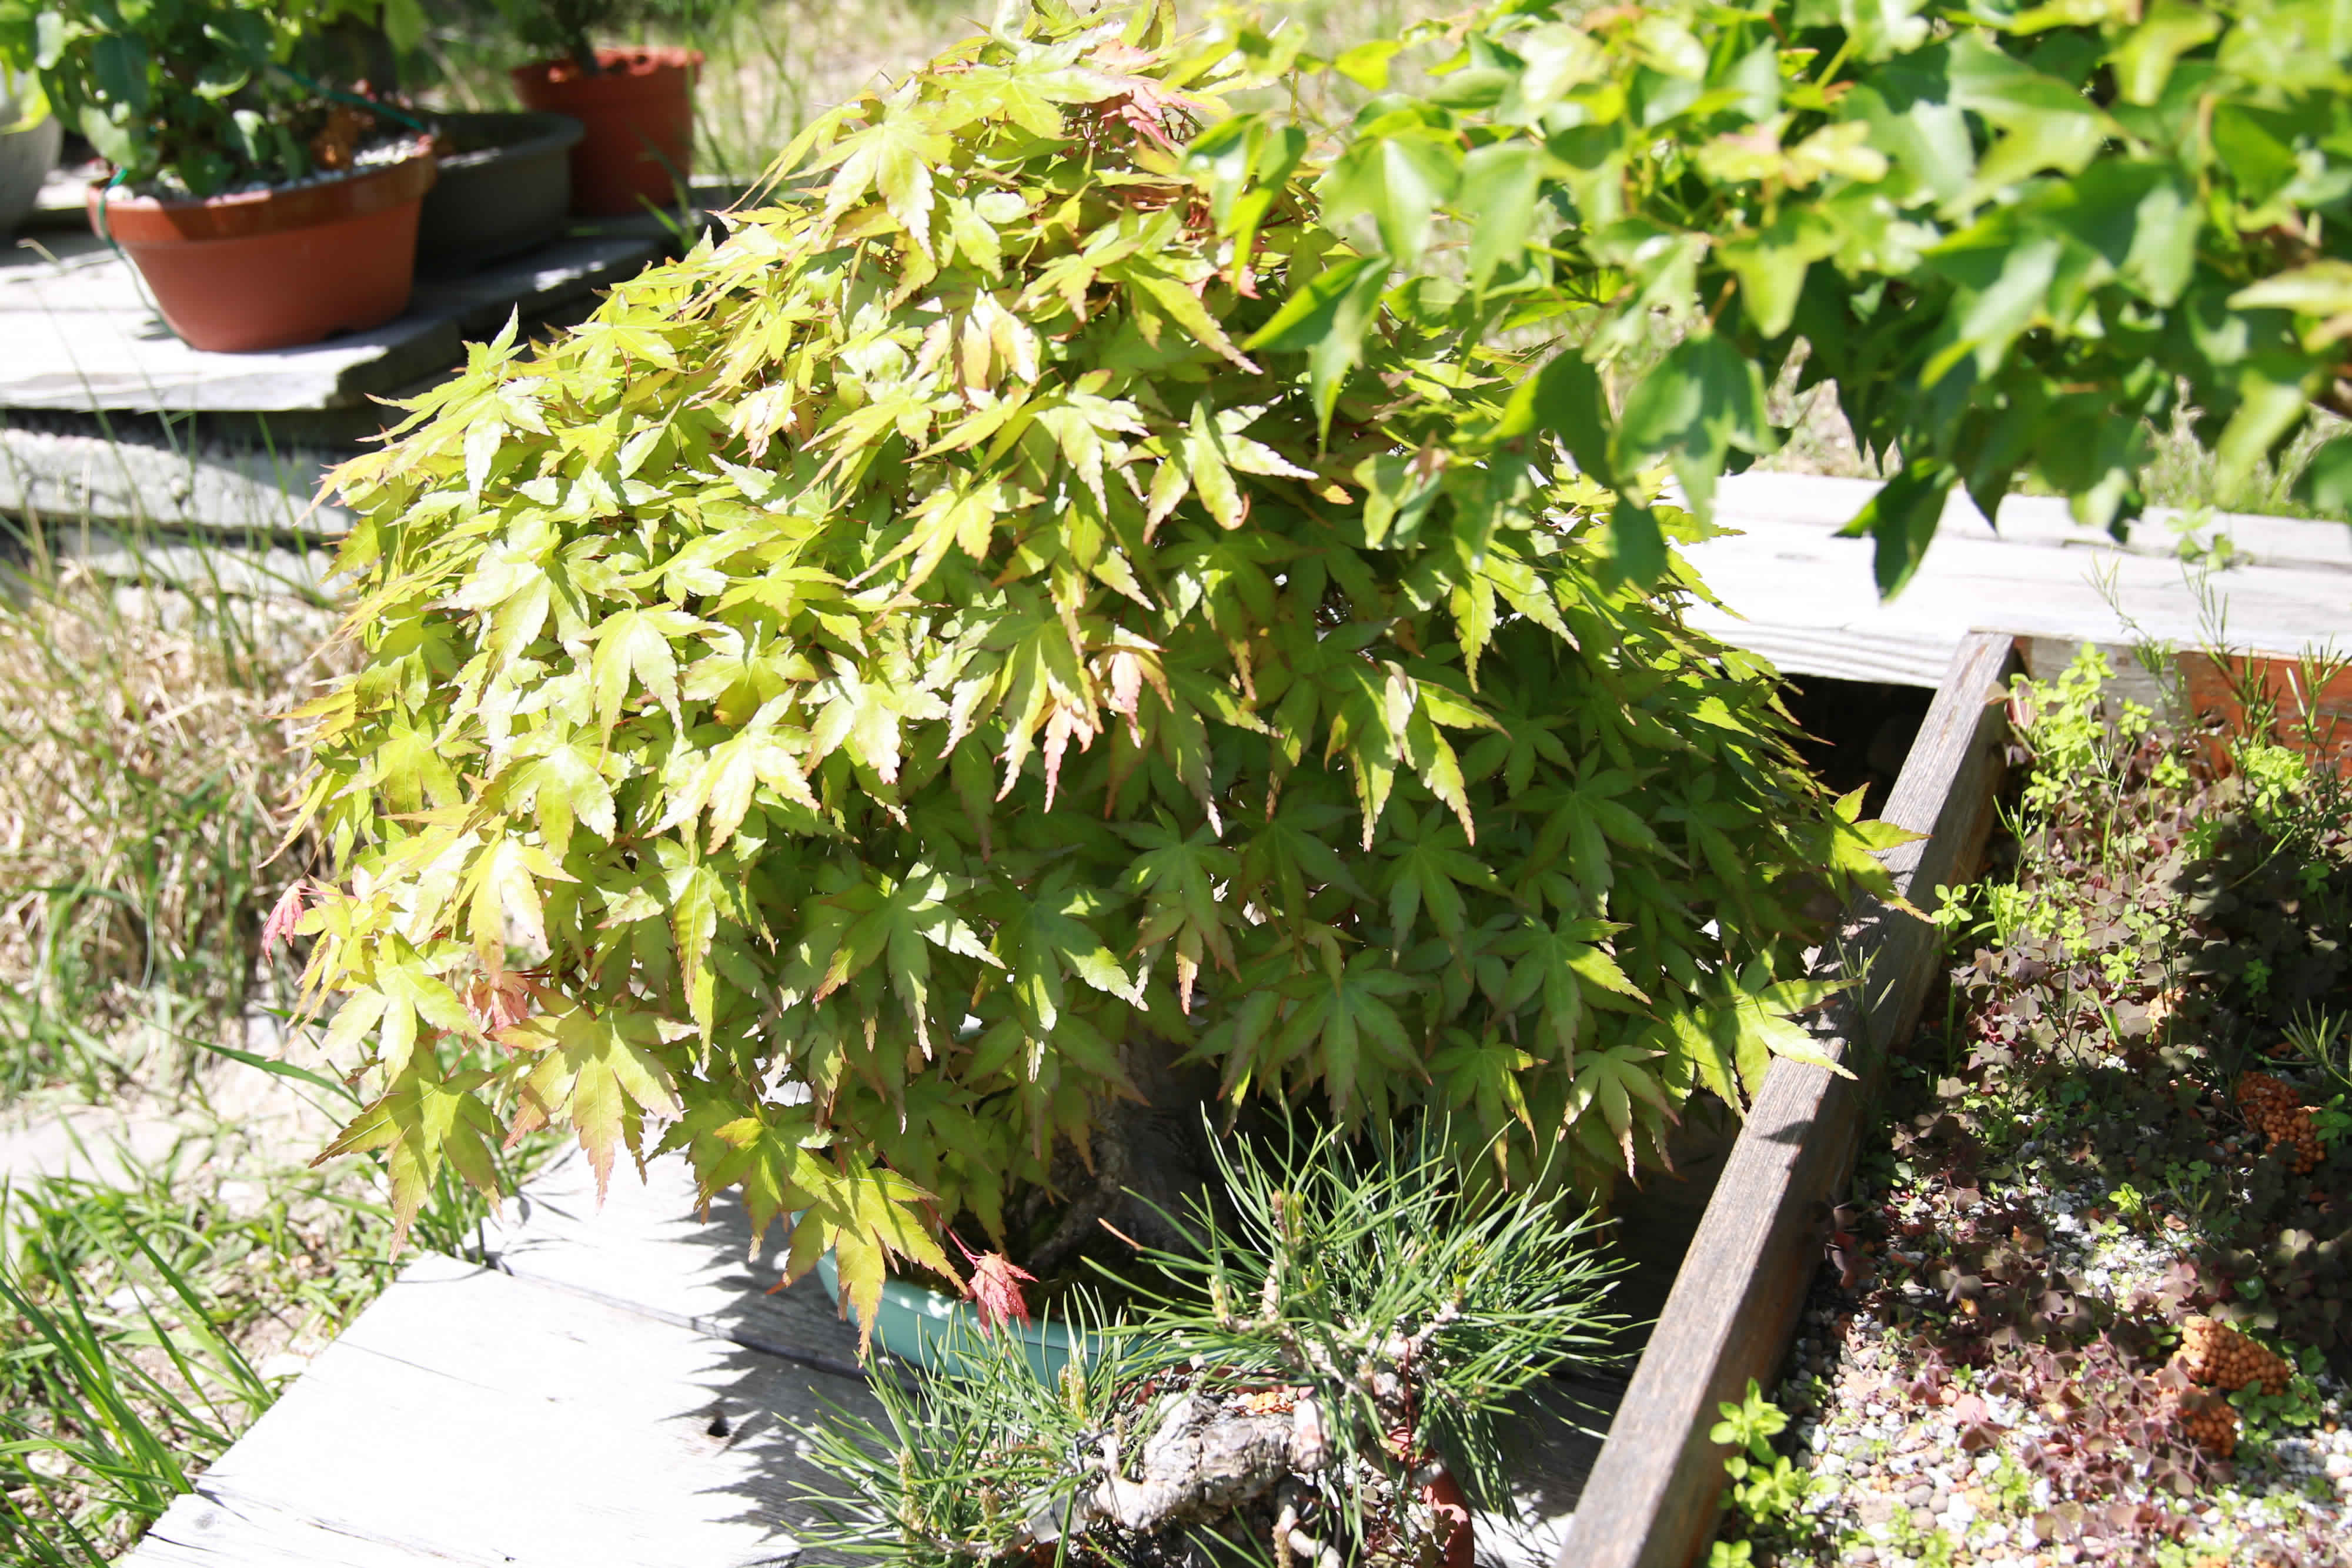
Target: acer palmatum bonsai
{"points": [[906, 703]]}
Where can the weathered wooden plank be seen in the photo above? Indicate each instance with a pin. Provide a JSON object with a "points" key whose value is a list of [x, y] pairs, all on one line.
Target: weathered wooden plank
{"points": [[1807, 600], [60, 478], [1653, 1493], [1826, 504], [80, 334], [200, 1530], [202, 565], [1794, 577], [646, 1248], [473, 1417]]}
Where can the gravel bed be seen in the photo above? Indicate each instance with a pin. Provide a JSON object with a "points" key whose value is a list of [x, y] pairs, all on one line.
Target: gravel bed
{"points": [[2090, 1300]]}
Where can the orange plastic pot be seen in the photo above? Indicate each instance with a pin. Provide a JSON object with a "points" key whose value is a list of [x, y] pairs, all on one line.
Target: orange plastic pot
{"points": [[1443, 1495], [2318, 724], [638, 112], [268, 269]]}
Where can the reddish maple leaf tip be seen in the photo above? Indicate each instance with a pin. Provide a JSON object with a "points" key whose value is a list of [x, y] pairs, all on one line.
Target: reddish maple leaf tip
{"points": [[283, 915], [995, 1287]]}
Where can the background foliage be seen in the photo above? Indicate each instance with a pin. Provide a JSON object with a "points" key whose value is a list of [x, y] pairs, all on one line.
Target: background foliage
{"points": [[575, 27], [2013, 236]]}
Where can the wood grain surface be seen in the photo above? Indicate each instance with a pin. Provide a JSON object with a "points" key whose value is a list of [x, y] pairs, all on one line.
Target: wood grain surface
{"points": [[1654, 1491], [79, 334], [472, 1417], [1800, 596]]}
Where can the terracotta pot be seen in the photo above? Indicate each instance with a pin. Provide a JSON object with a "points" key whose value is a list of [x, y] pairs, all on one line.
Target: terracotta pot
{"points": [[268, 269], [639, 116], [2213, 690], [1443, 1495]]}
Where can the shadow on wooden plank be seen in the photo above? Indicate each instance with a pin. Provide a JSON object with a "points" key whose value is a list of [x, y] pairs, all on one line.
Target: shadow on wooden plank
{"points": [[644, 1248], [472, 1417]]}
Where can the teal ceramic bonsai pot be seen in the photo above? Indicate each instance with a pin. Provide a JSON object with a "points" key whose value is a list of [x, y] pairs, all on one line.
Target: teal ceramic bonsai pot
{"points": [[938, 1332]]}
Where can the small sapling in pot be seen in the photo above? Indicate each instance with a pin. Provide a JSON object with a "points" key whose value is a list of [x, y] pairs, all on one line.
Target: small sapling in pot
{"points": [[635, 103], [262, 207]]}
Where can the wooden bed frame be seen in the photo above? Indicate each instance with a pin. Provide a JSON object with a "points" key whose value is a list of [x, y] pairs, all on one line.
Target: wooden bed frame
{"points": [[1653, 1494]]}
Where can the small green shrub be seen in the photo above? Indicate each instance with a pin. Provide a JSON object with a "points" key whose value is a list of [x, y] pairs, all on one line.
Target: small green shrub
{"points": [[1356, 1295], [194, 92], [890, 686]]}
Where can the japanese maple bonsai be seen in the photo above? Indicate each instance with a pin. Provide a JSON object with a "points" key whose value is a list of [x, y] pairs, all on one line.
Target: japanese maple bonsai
{"points": [[243, 189], [941, 694], [637, 102]]}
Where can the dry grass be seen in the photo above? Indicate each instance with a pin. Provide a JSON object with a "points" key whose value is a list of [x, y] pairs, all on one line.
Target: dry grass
{"points": [[145, 765], [150, 1309]]}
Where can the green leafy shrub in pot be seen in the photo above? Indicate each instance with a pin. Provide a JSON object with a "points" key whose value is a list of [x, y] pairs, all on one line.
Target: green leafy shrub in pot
{"points": [[192, 94], [2014, 237], [914, 684]]}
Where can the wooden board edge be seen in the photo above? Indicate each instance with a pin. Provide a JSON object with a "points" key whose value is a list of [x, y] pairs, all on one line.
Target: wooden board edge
{"points": [[1653, 1495]]}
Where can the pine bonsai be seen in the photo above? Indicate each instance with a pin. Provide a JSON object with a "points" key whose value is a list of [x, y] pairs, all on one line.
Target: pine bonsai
{"points": [[906, 704], [1327, 1388]]}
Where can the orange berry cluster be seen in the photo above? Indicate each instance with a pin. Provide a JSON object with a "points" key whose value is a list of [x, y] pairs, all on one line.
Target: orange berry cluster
{"points": [[2275, 1111], [2218, 1357], [2210, 1422]]}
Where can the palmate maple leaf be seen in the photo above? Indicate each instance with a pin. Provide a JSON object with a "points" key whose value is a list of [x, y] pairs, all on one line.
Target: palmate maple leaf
{"points": [[995, 1287]]}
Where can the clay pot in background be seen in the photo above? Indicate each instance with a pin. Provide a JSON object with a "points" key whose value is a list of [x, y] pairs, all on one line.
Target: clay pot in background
{"points": [[268, 269], [2212, 687], [1443, 1495], [505, 186], [638, 112], [27, 157]]}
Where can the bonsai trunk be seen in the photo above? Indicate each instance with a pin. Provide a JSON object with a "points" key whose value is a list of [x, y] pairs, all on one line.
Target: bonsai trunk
{"points": [[583, 55], [1151, 1164]]}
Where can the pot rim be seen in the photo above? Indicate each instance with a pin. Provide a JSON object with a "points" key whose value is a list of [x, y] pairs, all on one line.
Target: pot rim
{"points": [[245, 214], [938, 1307], [653, 60], [549, 133]]}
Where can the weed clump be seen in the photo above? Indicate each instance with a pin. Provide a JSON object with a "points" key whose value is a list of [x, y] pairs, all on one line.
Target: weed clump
{"points": [[145, 761], [2097, 1277]]}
